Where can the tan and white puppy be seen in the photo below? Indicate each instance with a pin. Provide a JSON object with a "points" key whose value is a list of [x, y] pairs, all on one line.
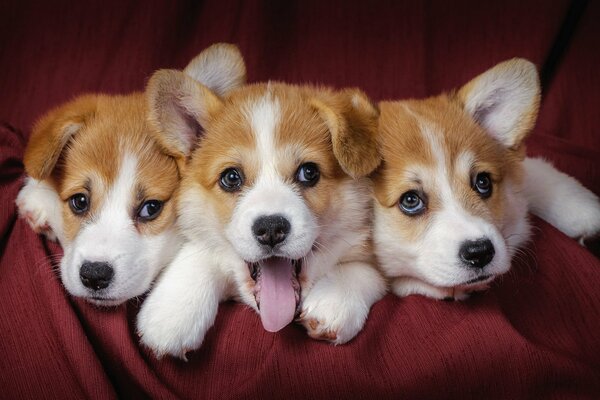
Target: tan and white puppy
{"points": [[454, 187], [275, 209], [102, 181]]}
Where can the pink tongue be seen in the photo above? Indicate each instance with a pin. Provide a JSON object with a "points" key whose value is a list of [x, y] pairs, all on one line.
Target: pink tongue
{"points": [[277, 297]]}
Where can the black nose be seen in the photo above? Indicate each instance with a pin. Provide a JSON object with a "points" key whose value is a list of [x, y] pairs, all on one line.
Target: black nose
{"points": [[96, 275], [271, 230], [477, 253]]}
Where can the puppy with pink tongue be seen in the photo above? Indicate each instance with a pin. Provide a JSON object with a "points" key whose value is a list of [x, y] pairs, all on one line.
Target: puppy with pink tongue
{"points": [[275, 209]]}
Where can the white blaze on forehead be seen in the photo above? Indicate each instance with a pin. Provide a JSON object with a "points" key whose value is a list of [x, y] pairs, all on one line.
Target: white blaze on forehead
{"points": [[441, 173], [118, 203], [264, 116]]}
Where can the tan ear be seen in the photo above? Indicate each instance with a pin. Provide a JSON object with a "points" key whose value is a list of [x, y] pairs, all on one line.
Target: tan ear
{"points": [[52, 132], [179, 108], [352, 120], [220, 67], [504, 100]]}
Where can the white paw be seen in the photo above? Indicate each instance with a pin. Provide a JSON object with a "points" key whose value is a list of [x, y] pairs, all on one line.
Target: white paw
{"points": [[36, 202], [166, 331], [332, 318], [561, 200], [336, 307], [182, 306]]}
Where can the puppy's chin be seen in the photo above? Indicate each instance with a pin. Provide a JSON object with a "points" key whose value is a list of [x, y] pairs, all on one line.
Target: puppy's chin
{"points": [[104, 302]]}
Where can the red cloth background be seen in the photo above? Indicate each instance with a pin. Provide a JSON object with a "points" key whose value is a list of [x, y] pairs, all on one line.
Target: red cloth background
{"points": [[534, 334]]}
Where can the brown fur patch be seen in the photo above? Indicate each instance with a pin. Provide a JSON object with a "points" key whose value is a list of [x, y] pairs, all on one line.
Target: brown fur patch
{"points": [[89, 158]]}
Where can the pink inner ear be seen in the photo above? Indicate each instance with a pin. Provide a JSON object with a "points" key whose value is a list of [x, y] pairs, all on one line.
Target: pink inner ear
{"points": [[191, 130]]}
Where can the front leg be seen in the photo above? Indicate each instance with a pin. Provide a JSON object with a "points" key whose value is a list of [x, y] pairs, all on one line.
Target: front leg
{"points": [[561, 200], [183, 304], [337, 306], [40, 206]]}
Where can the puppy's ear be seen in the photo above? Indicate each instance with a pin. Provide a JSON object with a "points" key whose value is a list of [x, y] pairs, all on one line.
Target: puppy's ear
{"points": [[504, 100], [220, 67], [52, 132], [179, 108], [352, 120]]}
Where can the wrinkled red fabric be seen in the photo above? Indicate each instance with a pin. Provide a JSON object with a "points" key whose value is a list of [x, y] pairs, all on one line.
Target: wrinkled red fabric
{"points": [[534, 334]]}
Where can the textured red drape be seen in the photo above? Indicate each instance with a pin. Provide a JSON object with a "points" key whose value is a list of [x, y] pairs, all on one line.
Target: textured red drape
{"points": [[534, 334]]}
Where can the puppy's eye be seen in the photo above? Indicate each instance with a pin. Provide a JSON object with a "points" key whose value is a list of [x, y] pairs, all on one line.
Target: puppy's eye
{"points": [[482, 184], [231, 180], [150, 210], [412, 203], [79, 203], [308, 174]]}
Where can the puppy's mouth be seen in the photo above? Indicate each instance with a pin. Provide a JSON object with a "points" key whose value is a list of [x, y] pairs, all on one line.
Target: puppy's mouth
{"points": [[276, 290], [478, 280], [105, 301]]}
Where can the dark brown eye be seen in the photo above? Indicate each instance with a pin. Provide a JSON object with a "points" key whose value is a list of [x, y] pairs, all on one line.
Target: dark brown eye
{"points": [[412, 203], [231, 180], [308, 174], [150, 210], [483, 184], [79, 203]]}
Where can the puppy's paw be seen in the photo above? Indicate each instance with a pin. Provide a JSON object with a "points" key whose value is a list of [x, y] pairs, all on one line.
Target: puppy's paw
{"points": [[35, 203], [168, 332], [561, 200], [331, 318], [584, 219], [319, 329]]}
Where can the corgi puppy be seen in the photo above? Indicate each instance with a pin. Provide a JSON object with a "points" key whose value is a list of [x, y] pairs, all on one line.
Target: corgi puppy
{"points": [[453, 189], [275, 210], [102, 181]]}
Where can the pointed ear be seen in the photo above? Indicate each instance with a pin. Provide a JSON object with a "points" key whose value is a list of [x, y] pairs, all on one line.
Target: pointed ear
{"points": [[179, 108], [352, 120], [52, 132], [504, 100], [220, 67]]}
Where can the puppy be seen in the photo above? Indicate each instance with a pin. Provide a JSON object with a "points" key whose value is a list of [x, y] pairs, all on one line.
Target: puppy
{"points": [[453, 189], [275, 210], [101, 181]]}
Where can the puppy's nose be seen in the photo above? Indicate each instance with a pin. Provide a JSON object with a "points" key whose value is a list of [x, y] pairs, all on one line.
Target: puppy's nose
{"points": [[271, 230], [96, 275], [477, 253]]}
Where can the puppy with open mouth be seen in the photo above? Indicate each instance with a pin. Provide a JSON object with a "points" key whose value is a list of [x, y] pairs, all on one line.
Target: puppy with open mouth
{"points": [[102, 182], [275, 210], [454, 186]]}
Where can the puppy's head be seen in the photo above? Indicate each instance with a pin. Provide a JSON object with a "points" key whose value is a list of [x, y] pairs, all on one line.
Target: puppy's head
{"points": [[271, 178], [116, 175], [116, 186], [447, 203]]}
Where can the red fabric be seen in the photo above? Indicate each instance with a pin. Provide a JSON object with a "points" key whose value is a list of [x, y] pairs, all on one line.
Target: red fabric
{"points": [[534, 334]]}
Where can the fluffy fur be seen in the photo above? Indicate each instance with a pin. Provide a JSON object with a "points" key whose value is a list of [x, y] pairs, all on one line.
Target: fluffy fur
{"points": [[102, 181], [269, 133], [438, 230]]}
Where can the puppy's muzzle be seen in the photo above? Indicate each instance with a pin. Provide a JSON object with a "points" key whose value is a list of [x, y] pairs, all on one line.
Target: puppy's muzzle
{"points": [[271, 230], [476, 253], [96, 275]]}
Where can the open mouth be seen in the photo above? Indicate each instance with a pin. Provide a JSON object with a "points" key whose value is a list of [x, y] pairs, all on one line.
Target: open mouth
{"points": [[276, 290], [478, 279], [105, 301]]}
